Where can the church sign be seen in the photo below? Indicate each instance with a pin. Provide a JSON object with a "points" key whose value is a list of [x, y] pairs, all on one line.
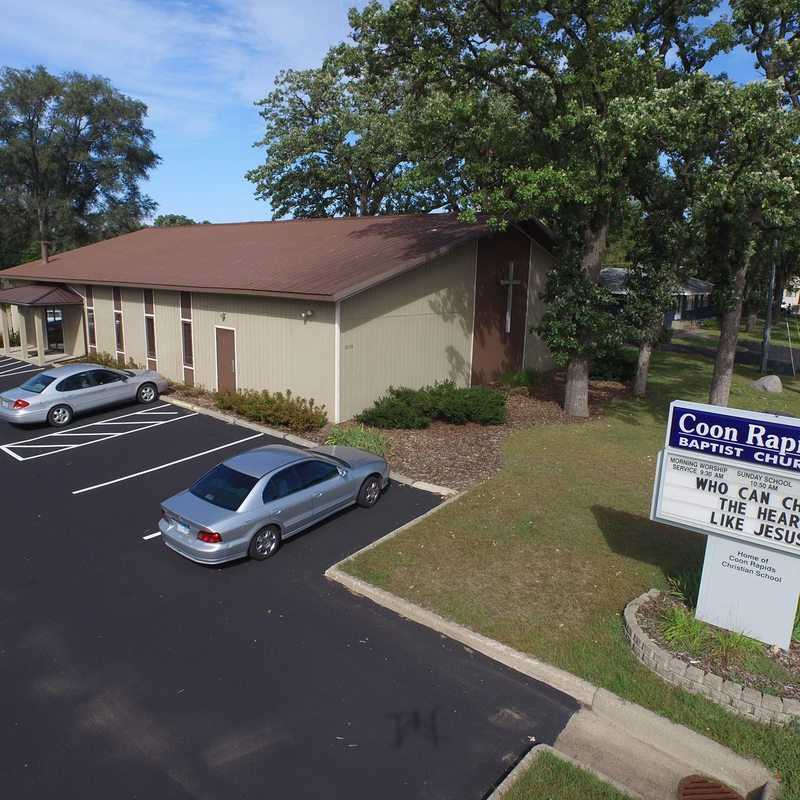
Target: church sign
{"points": [[735, 476]]}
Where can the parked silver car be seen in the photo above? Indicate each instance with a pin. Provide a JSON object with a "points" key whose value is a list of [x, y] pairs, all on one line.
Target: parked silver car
{"points": [[57, 394], [250, 503]]}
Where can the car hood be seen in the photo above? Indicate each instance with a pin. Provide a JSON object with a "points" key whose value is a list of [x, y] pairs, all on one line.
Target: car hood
{"points": [[199, 512], [352, 455]]}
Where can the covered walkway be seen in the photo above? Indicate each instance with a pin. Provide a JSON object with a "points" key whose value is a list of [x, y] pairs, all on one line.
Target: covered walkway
{"points": [[49, 319]]}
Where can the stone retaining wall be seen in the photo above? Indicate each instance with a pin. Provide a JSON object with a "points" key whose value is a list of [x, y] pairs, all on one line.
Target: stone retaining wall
{"points": [[740, 700]]}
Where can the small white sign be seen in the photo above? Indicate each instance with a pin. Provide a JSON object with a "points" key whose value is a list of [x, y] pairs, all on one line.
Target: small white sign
{"points": [[749, 589]]}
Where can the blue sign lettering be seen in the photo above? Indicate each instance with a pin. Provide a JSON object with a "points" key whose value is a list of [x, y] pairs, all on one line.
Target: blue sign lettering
{"points": [[738, 435]]}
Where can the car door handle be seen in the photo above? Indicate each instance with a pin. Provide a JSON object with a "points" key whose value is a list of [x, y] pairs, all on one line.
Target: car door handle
{"points": [[318, 494], [277, 512]]}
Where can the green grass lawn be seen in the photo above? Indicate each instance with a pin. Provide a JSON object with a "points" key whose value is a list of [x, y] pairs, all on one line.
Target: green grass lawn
{"points": [[545, 556], [552, 778], [778, 333]]}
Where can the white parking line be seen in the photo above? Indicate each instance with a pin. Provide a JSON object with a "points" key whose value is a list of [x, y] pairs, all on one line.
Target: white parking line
{"points": [[164, 466], [99, 435], [151, 535], [20, 371]]}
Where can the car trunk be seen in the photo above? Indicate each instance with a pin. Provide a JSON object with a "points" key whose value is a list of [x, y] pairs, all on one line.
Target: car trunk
{"points": [[194, 513]]}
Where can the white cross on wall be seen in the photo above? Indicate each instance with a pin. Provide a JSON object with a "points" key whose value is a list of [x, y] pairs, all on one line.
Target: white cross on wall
{"points": [[511, 283]]}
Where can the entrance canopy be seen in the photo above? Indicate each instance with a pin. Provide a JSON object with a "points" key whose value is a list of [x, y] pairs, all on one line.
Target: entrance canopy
{"points": [[37, 295]]}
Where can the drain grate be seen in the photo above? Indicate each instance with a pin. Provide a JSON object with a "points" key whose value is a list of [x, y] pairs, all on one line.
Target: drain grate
{"points": [[696, 787]]}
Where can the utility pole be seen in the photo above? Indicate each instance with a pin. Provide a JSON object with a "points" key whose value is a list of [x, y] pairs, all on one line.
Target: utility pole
{"points": [[768, 315]]}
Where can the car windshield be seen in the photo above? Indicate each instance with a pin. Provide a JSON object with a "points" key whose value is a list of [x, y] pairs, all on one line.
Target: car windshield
{"points": [[37, 384], [224, 487]]}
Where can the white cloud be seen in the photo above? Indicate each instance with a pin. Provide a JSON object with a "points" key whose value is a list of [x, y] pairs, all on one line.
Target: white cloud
{"points": [[191, 62]]}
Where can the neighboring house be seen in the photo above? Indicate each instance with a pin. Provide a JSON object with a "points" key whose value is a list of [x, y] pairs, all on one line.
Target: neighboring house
{"points": [[692, 299], [333, 309]]}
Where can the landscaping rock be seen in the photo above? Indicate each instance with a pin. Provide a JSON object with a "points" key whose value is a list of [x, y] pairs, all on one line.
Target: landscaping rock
{"points": [[769, 383]]}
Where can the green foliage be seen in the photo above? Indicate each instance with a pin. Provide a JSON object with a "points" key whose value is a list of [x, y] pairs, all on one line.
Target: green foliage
{"points": [[280, 409], [619, 365], [339, 141], [796, 632], [415, 408], [109, 360], [361, 437], [13, 337], [174, 221], [683, 631], [73, 151], [684, 586], [527, 379], [730, 647]]}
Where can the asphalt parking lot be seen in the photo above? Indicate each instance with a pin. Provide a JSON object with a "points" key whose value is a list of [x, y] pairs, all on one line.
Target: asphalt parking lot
{"points": [[128, 671]]}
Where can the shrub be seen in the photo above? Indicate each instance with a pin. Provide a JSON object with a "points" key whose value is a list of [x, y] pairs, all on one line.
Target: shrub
{"points": [[526, 379], [683, 630], [109, 360], [13, 339], [619, 366], [685, 586], [732, 647], [796, 633], [415, 408], [390, 411], [274, 408], [361, 437]]}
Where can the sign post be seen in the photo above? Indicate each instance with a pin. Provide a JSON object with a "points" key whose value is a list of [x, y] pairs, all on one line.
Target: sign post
{"points": [[735, 477]]}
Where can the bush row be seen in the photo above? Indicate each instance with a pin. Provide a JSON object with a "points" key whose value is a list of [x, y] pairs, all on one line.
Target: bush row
{"points": [[274, 408], [416, 408], [361, 437]]}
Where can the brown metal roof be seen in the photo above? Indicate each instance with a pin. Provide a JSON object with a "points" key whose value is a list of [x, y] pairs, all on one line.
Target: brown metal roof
{"points": [[323, 259], [40, 295]]}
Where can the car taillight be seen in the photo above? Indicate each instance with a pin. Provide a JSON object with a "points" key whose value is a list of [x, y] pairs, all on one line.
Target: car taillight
{"points": [[21, 404], [209, 537]]}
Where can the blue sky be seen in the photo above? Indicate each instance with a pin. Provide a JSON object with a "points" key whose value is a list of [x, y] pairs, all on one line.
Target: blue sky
{"points": [[198, 66]]}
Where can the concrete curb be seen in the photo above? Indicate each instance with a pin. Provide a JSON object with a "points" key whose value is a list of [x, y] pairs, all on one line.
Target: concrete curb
{"points": [[677, 741], [231, 419], [530, 759]]}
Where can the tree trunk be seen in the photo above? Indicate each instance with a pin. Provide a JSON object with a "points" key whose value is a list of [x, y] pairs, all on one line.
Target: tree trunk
{"points": [[752, 321], [576, 394], [726, 349], [642, 368]]}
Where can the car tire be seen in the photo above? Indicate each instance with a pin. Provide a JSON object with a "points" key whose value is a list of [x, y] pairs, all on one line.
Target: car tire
{"points": [[147, 393], [265, 543], [370, 491], [59, 416]]}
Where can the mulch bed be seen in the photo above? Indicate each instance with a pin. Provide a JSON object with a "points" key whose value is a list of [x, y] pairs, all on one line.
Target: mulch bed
{"points": [[650, 615], [458, 456]]}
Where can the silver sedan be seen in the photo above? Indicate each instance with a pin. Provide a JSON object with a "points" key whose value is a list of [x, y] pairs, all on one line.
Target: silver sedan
{"points": [[57, 394], [250, 503]]}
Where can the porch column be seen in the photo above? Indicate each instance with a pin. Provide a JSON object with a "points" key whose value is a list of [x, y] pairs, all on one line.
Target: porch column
{"points": [[4, 330], [41, 336], [23, 332]]}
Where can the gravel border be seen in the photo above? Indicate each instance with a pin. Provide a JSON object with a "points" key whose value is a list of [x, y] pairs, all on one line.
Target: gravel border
{"points": [[746, 702]]}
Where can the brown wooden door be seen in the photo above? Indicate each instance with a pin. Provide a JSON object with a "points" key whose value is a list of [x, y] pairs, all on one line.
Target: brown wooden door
{"points": [[226, 360], [495, 349]]}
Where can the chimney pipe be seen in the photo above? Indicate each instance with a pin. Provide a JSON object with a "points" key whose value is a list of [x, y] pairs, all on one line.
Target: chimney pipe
{"points": [[45, 257]]}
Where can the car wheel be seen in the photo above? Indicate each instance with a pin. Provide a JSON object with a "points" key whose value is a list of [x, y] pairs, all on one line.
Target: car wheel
{"points": [[59, 416], [147, 393], [265, 543], [369, 492]]}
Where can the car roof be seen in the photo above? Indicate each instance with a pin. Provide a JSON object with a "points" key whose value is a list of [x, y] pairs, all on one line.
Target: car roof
{"points": [[262, 460], [70, 369]]}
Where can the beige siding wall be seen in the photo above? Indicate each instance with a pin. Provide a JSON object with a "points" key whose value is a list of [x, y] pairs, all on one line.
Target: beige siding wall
{"points": [[169, 349], [104, 319], [537, 355], [133, 325], [275, 348], [72, 327], [410, 331]]}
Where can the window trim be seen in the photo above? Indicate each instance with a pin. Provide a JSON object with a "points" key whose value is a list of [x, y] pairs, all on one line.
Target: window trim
{"points": [[92, 348], [188, 369], [116, 292], [152, 361]]}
